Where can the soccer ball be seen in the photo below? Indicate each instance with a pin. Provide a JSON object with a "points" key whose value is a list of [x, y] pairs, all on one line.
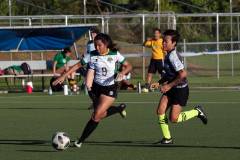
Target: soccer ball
{"points": [[60, 141]]}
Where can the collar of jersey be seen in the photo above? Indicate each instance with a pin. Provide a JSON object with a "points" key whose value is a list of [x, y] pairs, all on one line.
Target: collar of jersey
{"points": [[173, 50]]}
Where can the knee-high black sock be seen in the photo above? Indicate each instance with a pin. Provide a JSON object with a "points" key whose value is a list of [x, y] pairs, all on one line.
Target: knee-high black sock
{"points": [[89, 128], [113, 110]]}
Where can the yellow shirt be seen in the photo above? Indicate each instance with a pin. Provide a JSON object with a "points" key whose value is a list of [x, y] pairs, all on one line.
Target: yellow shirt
{"points": [[157, 48]]}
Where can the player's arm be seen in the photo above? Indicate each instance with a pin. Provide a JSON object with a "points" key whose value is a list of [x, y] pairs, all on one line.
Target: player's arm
{"points": [[162, 81], [127, 69], [73, 69], [54, 67], [148, 42], [181, 75]]}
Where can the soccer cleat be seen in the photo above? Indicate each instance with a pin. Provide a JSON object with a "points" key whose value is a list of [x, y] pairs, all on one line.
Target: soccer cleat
{"points": [[166, 141], [77, 144], [201, 114], [123, 112]]}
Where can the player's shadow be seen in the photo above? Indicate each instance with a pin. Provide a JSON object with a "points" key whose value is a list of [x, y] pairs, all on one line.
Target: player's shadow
{"points": [[37, 151], [154, 145], [27, 142], [24, 142], [42, 108]]}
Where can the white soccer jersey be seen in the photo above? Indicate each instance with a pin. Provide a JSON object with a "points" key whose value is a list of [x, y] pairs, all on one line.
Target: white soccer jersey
{"points": [[105, 66]]}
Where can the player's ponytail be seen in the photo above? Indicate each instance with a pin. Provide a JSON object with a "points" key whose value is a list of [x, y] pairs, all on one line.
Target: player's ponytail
{"points": [[107, 40]]}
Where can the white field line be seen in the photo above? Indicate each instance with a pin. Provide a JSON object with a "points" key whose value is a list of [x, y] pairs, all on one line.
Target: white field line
{"points": [[4, 96]]}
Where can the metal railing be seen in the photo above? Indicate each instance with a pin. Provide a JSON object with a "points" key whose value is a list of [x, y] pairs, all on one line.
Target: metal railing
{"points": [[201, 32]]}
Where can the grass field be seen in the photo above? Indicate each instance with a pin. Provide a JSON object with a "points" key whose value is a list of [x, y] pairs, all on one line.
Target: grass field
{"points": [[28, 122]]}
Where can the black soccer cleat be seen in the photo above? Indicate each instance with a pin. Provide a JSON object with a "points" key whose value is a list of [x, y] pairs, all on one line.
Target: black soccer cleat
{"points": [[201, 114], [122, 108], [166, 141]]}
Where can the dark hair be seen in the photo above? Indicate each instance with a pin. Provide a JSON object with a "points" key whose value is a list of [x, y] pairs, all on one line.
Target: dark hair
{"points": [[66, 50], [107, 40], [94, 30], [173, 33], [157, 29], [26, 68]]}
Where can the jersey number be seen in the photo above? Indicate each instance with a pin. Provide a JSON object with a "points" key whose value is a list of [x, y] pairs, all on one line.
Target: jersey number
{"points": [[104, 71]]}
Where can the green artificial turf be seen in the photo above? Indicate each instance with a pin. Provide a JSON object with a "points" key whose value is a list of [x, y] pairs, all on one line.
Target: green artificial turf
{"points": [[28, 122]]}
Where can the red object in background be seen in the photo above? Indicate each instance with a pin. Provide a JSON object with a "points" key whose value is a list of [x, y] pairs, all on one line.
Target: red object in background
{"points": [[29, 87], [1, 72]]}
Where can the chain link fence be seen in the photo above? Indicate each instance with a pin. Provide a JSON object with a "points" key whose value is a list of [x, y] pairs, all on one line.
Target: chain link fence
{"points": [[199, 33]]}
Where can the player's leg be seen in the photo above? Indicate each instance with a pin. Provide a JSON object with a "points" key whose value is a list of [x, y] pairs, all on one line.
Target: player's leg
{"points": [[121, 109], [163, 120], [111, 91], [149, 79], [94, 95], [177, 115], [101, 111], [159, 67], [180, 98], [151, 71]]}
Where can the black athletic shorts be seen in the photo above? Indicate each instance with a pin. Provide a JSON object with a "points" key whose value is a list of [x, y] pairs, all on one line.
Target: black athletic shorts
{"points": [[178, 96], [110, 91], [155, 65]]}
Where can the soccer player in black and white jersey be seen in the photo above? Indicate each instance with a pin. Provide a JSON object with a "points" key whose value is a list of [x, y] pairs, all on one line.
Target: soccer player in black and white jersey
{"points": [[100, 82], [174, 87]]}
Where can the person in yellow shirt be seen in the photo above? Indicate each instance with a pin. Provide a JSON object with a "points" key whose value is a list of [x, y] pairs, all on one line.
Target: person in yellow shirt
{"points": [[156, 63]]}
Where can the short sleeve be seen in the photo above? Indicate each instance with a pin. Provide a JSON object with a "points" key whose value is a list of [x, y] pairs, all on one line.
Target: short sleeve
{"points": [[56, 57], [91, 65], [120, 58], [176, 63]]}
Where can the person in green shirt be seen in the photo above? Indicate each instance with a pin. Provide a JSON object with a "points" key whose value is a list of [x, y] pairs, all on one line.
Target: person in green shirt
{"points": [[13, 70], [60, 61], [24, 68]]}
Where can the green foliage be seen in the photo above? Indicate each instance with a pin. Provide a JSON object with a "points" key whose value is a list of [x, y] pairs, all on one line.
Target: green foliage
{"points": [[3, 8], [34, 7]]}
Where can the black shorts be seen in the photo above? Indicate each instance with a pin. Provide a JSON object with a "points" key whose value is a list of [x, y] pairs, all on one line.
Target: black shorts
{"points": [[110, 91], [155, 65], [178, 96]]}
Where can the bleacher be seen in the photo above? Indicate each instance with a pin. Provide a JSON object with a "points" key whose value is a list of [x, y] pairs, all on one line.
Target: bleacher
{"points": [[40, 69]]}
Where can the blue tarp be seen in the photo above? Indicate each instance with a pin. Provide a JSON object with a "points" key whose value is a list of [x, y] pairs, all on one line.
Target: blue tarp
{"points": [[40, 38]]}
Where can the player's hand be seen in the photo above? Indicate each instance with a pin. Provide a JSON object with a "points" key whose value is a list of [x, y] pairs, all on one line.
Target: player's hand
{"points": [[119, 77], [154, 85], [59, 80], [165, 88]]}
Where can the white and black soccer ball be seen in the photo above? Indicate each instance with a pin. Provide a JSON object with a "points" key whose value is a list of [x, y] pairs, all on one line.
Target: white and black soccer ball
{"points": [[60, 141]]}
